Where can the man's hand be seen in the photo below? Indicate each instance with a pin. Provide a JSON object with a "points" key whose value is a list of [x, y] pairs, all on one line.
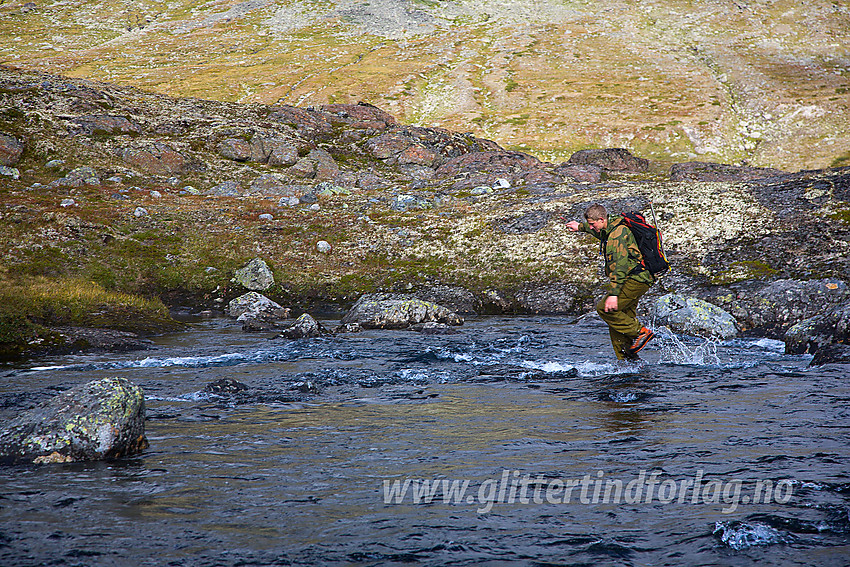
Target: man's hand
{"points": [[573, 226], [611, 303]]}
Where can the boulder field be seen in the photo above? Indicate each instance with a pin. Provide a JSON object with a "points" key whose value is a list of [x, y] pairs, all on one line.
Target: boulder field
{"points": [[198, 202]]}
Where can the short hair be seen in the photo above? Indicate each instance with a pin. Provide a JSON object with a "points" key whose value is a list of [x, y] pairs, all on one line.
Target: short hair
{"points": [[595, 211]]}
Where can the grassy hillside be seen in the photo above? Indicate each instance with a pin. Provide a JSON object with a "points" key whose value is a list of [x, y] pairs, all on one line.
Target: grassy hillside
{"points": [[729, 81]]}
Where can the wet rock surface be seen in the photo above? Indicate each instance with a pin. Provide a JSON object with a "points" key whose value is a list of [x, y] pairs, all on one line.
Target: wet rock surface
{"points": [[397, 311], [831, 354], [831, 327], [771, 308], [693, 316], [77, 339], [304, 327], [98, 420]]}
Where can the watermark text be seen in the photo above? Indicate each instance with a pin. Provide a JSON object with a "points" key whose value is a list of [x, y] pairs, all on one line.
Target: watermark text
{"points": [[514, 487]]}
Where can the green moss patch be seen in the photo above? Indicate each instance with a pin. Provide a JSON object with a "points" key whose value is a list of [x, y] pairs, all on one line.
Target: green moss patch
{"points": [[30, 306]]}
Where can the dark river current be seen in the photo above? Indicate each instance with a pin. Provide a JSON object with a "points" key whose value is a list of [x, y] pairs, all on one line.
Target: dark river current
{"points": [[515, 441]]}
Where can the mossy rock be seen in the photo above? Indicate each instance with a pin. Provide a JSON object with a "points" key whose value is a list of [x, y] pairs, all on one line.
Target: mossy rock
{"points": [[98, 420]]}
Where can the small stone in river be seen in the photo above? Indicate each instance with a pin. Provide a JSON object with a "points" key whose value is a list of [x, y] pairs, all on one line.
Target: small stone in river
{"points": [[225, 386]]}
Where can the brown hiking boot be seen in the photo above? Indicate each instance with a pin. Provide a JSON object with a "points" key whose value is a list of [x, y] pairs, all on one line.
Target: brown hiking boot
{"points": [[640, 341], [630, 357]]}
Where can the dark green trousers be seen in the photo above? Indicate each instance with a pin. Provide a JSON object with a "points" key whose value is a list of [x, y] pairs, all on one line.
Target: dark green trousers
{"points": [[623, 325]]}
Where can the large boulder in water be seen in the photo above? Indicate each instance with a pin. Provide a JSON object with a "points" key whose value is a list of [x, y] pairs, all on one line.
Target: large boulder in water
{"points": [[98, 420], [457, 299], [772, 308], [256, 312], [397, 311], [831, 354], [258, 304], [812, 334], [304, 327], [693, 316]]}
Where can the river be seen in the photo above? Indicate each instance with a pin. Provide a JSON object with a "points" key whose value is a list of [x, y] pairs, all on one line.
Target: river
{"points": [[517, 440]]}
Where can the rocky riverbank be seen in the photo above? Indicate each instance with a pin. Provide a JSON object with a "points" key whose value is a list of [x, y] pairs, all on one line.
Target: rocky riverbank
{"points": [[172, 199]]}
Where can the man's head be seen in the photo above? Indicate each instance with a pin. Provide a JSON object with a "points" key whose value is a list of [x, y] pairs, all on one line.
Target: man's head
{"points": [[597, 217]]}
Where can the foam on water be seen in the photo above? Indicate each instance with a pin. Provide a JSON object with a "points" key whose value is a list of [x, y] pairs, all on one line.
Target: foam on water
{"points": [[585, 368], [288, 351], [770, 345], [741, 535]]}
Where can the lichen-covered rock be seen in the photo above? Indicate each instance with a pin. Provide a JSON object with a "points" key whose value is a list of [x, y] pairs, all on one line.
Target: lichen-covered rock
{"points": [[389, 144], [310, 124], [530, 222], [792, 194], [235, 149], [274, 151], [540, 178], [397, 311], [11, 150], [98, 420], [582, 173], [611, 159], [831, 354], [159, 159], [707, 171], [457, 299], [361, 116], [693, 316], [811, 335], [305, 326], [776, 306], [255, 275], [84, 339], [256, 303], [226, 189], [78, 177], [107, 125], [417, 154], [494, 163], [324, 165], [559, 298], [270, 184]]}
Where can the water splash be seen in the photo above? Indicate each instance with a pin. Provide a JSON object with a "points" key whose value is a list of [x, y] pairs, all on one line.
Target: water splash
{"points": [[740, 535], [674, 351]]}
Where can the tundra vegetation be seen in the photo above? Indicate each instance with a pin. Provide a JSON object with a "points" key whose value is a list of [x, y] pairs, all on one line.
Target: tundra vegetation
{"points": [[231, 131]]}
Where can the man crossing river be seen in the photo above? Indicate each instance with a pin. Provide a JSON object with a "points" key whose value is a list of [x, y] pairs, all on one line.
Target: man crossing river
{"points": [[628, 280]]}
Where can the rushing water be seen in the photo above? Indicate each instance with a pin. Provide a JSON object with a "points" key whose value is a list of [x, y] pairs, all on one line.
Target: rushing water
{"points": [[537, 449]]}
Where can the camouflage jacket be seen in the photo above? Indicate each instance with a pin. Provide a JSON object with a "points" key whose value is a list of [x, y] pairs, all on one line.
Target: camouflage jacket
{"points": [[621, 254]]}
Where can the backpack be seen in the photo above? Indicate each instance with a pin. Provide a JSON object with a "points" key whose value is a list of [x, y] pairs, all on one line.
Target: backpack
{"points": [[648, 239]]}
